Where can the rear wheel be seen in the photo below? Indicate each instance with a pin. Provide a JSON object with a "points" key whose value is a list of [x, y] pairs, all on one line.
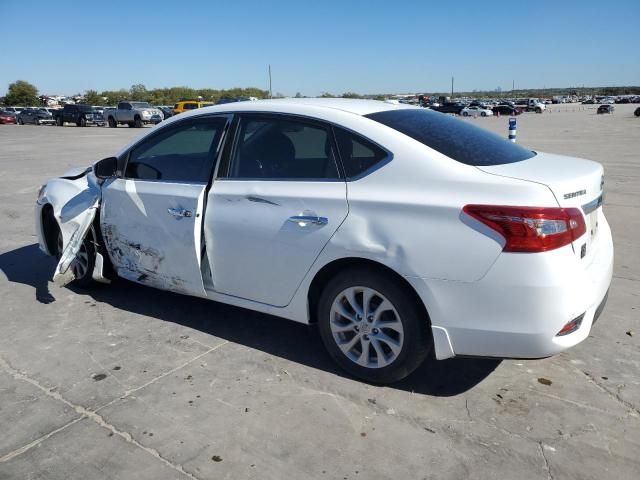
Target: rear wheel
{"points": [[82, 122], [84, 262], [538, 110], [465, 114], [483, 114], [59, 121], [372, 327]]}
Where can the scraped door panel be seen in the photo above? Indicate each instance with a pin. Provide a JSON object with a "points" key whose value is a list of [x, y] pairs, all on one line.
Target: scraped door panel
{"points": [[260, 247], [152, 231]]}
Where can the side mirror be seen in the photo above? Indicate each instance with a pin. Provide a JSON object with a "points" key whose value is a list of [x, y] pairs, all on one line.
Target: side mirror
{"points": [[106, 168]]}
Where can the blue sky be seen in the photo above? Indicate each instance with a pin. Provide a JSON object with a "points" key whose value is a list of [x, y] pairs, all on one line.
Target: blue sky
{"points": [[372, 46]]}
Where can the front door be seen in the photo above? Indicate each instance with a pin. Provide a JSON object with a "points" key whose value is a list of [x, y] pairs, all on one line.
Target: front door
{"points": [[151, 217], [273, 208]]}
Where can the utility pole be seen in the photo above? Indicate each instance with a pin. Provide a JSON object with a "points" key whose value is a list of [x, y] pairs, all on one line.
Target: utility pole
{"points": [[451, 87], [513, 87], [270, 90]]}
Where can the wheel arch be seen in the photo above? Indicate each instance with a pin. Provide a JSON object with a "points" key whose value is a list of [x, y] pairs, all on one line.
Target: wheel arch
{"points": [[49, 228], [328, 271]]}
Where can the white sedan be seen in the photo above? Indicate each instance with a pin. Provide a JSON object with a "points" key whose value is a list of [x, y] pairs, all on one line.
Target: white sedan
{"points": [[476, 111], [400, 231]]}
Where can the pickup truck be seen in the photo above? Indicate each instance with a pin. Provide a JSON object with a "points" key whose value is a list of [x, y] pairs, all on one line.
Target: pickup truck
{"points": [[134, 114], [81, 115], [531, 105]]}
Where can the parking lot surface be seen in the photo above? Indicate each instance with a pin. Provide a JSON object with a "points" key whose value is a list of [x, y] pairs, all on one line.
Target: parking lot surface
{"points": [[124, 381]]}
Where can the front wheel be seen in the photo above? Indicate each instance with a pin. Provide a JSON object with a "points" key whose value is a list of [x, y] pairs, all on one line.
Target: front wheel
{"points": [[483, 114], [82, 122], [59, 122], [137, 122], [81, 266], [372, 327], [538, 110], [20, 122], [465, 114], [112, 123]]}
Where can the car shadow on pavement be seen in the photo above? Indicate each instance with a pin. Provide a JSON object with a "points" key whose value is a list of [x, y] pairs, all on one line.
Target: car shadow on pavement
{"points": [[276, 336]]}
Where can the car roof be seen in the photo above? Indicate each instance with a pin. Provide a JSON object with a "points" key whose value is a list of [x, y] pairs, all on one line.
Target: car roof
{"points": [[286, 105]]}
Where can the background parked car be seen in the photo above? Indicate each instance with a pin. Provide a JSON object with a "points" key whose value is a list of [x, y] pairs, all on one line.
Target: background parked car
{"points": [[166, 111], [35, 116], [450, 107], [7, 117], [186, 105], [81, 115], [133, 114], [15, 110], [471, 111], [504, 109], [606, 108]]}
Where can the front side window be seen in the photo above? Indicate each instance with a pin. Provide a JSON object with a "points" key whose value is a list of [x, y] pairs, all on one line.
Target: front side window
{"points": [[184, 153], [280, 148], [358, 154]]}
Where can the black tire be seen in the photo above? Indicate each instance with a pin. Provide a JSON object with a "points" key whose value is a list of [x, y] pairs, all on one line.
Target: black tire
{"points": [[538, 110], [637, 112], [59, 121], [86, 279], [36, 121], [417, 340], [112, 123], [82, 122], [130, 124], [20, 122], [137, 122], [483, 114], [465, 114]]}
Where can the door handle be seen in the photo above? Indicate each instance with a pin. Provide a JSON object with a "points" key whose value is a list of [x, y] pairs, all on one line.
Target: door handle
{"points": [[179, 212], [304, 220]]}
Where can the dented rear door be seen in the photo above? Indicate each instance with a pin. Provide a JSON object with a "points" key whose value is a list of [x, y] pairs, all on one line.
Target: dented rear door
{"points": [[151, 218]]}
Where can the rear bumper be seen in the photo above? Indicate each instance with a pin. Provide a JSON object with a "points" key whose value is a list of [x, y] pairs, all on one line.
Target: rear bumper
{"points": [[518, 307]]}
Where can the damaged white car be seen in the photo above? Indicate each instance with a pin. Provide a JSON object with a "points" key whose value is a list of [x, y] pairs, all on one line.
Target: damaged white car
{"points": [[400, 231]]}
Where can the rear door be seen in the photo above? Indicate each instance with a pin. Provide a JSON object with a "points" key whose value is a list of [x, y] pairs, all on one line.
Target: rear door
{"points": [[273, 207], [151, 217]]}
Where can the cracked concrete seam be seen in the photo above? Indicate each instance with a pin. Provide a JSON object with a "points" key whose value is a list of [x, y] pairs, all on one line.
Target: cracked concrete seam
{"points": [[631, 409], [546, 461], [93, 415]]}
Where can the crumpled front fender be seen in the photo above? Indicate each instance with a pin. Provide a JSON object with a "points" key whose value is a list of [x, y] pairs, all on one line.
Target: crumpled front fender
{"points": [[75, 203]]}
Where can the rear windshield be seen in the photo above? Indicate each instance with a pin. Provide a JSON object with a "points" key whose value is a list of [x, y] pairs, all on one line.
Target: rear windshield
{"points": [[454, 138]]}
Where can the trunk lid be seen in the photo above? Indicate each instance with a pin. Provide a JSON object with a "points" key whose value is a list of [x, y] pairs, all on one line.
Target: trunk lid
{"points": [[573, 181]]}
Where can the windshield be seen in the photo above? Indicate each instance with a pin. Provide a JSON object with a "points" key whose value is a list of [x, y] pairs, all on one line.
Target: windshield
{"points": [[140, 105], [457, 139]]}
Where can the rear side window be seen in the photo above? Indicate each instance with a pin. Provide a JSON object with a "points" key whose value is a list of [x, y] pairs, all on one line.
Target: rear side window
{"points": [[358, 154], [278, 148], [185, 153], [190, 106], [454, 138]]}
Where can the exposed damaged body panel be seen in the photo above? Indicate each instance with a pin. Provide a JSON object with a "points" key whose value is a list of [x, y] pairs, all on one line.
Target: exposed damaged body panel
{"points": [[153, 235]]}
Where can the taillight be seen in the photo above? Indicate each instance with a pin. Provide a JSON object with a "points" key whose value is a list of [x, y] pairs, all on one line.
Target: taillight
{"points": [[531, 229]]}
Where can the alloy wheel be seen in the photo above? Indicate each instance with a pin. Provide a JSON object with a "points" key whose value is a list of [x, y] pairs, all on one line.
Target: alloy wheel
{"points": [[366, 327], [80, 264]]}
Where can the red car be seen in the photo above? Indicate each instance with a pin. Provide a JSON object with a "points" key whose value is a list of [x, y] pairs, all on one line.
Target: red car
{"points": [[7, 117]]}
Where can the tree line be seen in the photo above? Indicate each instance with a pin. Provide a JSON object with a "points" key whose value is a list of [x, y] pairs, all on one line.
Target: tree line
{"points": [[23, 93]]}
